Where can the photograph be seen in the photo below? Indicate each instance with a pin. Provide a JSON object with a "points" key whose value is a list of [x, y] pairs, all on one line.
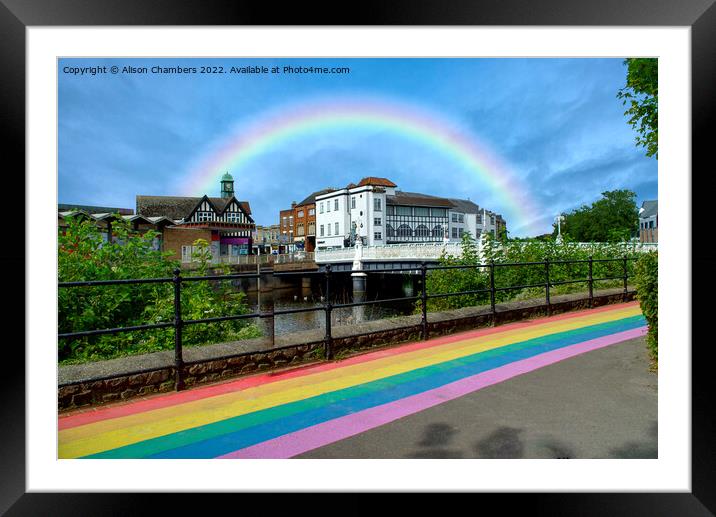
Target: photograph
{"points": [[357, 257]]}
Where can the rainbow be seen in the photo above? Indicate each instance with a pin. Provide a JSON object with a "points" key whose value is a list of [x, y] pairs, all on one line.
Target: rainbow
{"points": [[275, 127], [287, 413]]}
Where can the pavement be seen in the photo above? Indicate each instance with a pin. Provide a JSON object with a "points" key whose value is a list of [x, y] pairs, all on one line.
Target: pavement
{"points": [[575, 385], [602, 404]]}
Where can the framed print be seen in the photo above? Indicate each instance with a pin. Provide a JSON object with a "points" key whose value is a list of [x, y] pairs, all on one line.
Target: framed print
{"points": [[125, 103]]}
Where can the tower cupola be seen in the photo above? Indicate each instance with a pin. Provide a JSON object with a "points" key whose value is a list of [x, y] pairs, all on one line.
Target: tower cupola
{"points": [[227, 186]]}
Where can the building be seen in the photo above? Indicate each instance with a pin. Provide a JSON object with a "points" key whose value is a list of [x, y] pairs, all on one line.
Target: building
{"points": [[266, 239], [67, 207], [379, 213], [224, 222], [298, 223], [649, 221], [287, 229], [105, 219]]}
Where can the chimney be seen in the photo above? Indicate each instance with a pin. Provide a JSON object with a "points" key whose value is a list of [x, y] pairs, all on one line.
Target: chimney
{"points": [[293, 204]]}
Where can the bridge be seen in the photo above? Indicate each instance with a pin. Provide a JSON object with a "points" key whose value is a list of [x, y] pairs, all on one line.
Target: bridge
{"points": [[389, 256], [412, 255]]}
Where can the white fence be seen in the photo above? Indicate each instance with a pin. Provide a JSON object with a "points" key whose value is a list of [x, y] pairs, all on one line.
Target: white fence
{"points": [[284, 258], [432, 251]]}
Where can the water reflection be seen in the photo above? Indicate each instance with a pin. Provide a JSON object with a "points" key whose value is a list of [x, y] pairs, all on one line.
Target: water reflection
{"points": [[311, 294]]}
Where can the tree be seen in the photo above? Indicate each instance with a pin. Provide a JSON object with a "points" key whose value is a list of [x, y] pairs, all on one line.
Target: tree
{"points": [[641, 94], [84, 255], [613, 218]]}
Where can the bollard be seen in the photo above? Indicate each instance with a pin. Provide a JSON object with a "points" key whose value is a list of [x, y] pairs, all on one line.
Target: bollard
{"points": [[492, 291], [424, 299], [591, 283], [327, 349], [178, 360], [546, 285]]}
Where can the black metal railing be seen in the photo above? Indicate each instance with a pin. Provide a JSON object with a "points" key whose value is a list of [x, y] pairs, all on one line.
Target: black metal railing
{"points": [[328, 306]]}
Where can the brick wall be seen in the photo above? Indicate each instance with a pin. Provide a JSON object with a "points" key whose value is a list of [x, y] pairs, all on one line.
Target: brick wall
{"points": [[175, 238], [356, 337]]}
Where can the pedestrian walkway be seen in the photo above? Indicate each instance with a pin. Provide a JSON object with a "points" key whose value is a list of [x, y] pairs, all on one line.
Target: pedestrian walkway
{"points": [[282, 415]]}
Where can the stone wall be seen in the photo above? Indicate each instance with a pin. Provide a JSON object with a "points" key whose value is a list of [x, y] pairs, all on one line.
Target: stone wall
{"points": [[213, 363]]}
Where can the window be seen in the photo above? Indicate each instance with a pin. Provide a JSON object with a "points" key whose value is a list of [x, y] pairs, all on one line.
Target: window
{"points": [[454, 233], [377, 221], [422, 231], [405, 231], [300, 213], [377, 204], [460, 232], [378, 236], [422, 211], [403, 210], [328, 206], [322, 231], [479, 218], [438, 231], [492, 219], [320, 207], [353, 201], [186, 253], [300, 230], [477, 234], [390, 210], [337, 229], [204, 216], [311, 211], [311, 228], [454, 218], [439, 212], [389, 231], [329, 230], [335, 204], [460, 218], [233, 217]]}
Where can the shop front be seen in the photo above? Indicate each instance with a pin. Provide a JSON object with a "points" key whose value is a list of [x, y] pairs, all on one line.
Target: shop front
{"points": [[234, 246]]}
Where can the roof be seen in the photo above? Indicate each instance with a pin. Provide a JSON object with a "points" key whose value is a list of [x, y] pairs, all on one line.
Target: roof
{"points": [[312, 198], [176, 207], [113, 216], [650, 208], [380, 182], [67, 207], [465, 206], [418, 199]]}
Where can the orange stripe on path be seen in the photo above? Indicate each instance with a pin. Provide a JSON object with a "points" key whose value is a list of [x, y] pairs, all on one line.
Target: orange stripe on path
{"points": [[170, 399]]}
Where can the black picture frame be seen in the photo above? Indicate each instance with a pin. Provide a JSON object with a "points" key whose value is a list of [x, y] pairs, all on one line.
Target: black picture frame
{"points": [[700, 15]]}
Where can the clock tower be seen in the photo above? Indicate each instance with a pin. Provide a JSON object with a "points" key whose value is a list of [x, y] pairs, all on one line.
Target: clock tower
{"points": [[227, 186]]}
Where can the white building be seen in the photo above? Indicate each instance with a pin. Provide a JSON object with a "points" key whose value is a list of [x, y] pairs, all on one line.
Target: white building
{"points": [[467, 217], [379, 213]]}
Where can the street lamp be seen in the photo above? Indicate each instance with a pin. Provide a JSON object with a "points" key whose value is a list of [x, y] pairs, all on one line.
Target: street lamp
{"points": [[559, 220]]}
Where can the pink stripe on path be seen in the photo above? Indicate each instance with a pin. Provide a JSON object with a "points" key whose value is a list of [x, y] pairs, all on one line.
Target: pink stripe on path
{"points": [[332, 431]]}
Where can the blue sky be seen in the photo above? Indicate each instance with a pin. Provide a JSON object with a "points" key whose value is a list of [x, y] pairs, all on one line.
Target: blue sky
{"points": [[555, 123]]}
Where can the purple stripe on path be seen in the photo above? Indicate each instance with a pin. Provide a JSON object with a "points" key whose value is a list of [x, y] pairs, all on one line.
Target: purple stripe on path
{"points": [[340, 428]]}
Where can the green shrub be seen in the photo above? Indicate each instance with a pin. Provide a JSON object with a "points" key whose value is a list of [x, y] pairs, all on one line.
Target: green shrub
{"points": [[647, 285], [455, 280], [83, 256]]}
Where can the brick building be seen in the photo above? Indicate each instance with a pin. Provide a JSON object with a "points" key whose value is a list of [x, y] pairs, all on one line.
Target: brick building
{"points": [[649, 221], [224, 222]]}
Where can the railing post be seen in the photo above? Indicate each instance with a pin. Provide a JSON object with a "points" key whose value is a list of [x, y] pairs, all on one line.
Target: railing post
{"points": [[328, 352], [492, 291], [424, 298], [178, 360], [546, 285], [624, 296], [591, 282]]}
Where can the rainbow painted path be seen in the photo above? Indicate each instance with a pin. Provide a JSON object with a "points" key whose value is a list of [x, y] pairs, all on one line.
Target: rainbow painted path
{"points": [[282, 415]]}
